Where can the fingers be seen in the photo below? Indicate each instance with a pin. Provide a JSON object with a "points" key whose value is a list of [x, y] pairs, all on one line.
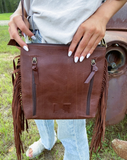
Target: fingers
{"points": [[91, 36], [14, 35], [93, 48], [78, 35], [15, 23], [22, 26], [84, 43], [19, 48], [91, 45]]}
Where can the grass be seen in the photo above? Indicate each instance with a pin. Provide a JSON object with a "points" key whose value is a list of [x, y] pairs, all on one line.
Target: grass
{"points": [[116, 131], [7, 149], [5, 16], [4, 39]]}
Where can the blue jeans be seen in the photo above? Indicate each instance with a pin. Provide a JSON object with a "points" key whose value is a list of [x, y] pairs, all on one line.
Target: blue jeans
{"points": [[72, 133]]}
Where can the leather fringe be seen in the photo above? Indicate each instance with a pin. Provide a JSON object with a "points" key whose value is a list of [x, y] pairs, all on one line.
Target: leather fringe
{"points": [[99, 128], [18, 113], [17, 110]]}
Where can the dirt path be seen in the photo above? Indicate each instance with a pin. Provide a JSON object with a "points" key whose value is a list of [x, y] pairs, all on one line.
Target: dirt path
{"points": [[3, 23]]}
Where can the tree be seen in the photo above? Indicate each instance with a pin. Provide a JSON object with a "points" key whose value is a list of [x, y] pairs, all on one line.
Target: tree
{"points": [[7, 6], [1, 7]]}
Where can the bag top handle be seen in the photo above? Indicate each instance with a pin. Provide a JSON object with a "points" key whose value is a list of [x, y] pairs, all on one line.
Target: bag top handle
{"points": [[22, 4]]}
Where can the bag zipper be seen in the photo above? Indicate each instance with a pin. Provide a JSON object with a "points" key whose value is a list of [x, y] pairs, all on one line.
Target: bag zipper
{"points": [[90, 79], [34, 69], [34, 94]]}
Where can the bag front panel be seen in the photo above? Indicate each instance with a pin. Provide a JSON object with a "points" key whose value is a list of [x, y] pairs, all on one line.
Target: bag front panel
{"points": [[59, 91]]}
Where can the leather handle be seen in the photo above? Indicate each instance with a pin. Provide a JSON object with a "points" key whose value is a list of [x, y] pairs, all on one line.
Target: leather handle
{"points": [[22, 4]]}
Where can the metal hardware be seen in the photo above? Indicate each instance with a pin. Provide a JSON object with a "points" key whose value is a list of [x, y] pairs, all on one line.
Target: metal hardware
{"points": [[34, 61], [94, 69], [93, 62], [117, 45], [29, 38], [113, 64], [102, 43]]}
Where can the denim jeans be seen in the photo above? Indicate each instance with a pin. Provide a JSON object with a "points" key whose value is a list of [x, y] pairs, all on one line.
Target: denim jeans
{"points": [[72, 133]]}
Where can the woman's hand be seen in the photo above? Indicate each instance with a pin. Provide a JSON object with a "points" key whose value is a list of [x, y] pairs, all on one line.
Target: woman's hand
{"points": [[16, 23], [88, 35], [93, 30]]}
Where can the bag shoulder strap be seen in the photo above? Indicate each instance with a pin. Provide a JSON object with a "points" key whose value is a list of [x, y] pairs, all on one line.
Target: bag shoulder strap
{"points": [[22, 4]]}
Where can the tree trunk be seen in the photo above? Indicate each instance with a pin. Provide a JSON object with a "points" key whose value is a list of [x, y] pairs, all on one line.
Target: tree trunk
{"points": [[1, 7], [7, 6]]}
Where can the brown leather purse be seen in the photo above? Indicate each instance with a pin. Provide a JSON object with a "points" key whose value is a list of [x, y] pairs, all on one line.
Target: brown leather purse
{"points": [[49, 85]]}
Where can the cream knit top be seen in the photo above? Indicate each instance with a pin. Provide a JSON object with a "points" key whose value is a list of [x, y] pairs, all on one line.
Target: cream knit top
{"points": [[58, 20]]}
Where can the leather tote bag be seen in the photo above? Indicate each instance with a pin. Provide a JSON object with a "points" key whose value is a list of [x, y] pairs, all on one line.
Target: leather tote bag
{"points": [[47, 84]]}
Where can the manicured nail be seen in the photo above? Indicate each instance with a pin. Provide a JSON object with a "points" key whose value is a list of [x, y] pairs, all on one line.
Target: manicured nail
{"points": [[33, 38], [25, 48], [69, 53], [81, 58], [76, 59], [88, 55], [99, 43], [24, 35]]}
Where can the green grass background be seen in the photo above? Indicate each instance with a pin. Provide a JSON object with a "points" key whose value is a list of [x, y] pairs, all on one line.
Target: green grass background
{"points": [[7, 149], [5, 16]]}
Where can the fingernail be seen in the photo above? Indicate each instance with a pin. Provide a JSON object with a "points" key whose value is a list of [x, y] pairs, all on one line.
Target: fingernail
{"points": [[24, 35], [88, 55], [99, 43], [33, 38], [69, 53], [81, 58], [76, 59], [25, 48]]}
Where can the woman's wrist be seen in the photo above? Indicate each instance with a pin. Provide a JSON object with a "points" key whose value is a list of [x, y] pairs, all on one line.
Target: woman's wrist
{"points": [[108, 9]]}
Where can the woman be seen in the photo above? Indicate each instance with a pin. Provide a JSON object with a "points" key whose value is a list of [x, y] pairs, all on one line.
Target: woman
{"points": [[79, 22]]}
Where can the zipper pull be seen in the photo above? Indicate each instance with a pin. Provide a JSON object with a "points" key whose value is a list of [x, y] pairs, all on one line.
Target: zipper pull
{"points": [[34, 64], [35, 70], [94, 70]]}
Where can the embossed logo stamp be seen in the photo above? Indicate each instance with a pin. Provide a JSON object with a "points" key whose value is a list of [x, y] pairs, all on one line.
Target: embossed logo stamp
{"points": [[65, 107]]}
